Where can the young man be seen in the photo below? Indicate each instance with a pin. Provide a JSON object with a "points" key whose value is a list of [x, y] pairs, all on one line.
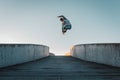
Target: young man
{"points": [[66, 25]]}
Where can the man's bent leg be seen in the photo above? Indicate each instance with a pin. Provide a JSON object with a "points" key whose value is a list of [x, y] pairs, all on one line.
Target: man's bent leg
{"points": [[64, 31], [68, 27]]}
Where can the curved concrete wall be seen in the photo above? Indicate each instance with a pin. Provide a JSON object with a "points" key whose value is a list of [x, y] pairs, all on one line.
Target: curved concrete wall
{"points": [[11, 54], [100, 53]]}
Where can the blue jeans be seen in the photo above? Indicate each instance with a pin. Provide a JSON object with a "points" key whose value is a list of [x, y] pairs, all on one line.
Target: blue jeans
{"points": [[68, 27]]}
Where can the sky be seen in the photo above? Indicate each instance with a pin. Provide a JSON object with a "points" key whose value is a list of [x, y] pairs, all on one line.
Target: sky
{"points": [[36, 22]]}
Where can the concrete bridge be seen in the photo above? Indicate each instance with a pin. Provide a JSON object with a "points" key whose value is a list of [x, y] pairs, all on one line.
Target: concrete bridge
{"points": [[45, 67]]}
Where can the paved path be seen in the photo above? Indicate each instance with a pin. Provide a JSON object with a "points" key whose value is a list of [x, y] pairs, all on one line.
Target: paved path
{"points": [[60, 68]]}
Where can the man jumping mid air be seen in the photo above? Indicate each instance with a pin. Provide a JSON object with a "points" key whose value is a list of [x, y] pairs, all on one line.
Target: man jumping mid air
{"points": [[66, 25]]}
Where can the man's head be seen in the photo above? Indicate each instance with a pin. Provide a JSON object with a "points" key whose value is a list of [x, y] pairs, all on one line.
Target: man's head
{"points": [[61, 19]]}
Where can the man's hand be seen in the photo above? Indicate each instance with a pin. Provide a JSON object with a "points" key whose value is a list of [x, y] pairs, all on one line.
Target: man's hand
{"points": [[60, 16]]}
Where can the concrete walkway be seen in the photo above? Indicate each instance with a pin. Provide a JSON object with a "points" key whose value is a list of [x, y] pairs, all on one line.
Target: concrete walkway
{"points": [[60, 68]]}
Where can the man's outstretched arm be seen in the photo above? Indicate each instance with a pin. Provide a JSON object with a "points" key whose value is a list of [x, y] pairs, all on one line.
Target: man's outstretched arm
{"points": [[61, 16]]}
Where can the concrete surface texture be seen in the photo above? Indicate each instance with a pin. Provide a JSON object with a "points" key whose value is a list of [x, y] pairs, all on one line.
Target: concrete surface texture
{"points": [[100, 53], [11, 54], [51, 54], [60, 68]]}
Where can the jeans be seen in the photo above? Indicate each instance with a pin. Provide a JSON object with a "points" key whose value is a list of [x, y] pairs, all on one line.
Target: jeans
{"points": [[68, 27]]}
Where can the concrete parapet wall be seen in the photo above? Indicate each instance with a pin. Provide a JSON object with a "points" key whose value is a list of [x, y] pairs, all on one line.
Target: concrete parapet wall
{"points": [[100, 53], [12, 54]]}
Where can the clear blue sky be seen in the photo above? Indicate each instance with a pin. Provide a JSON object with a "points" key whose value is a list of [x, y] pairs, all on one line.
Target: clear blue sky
{"points": [[35, 21]]}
